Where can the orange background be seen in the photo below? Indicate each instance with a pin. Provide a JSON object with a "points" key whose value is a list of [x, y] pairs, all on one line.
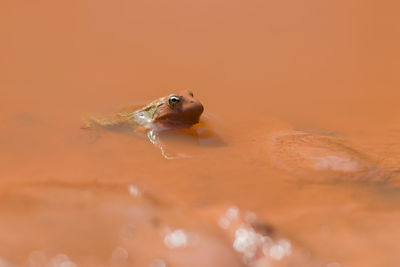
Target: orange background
{"points": [[257, 67]]}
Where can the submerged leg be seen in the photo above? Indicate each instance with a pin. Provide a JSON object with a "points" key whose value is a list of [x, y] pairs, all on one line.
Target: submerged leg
{"points": [[155, 140], [104, 122], [95, 124]]}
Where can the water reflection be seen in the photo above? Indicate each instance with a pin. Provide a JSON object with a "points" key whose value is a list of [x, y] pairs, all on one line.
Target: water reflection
{"points": [[39, 259], [137, 226], [254, 246], [279, 250], [176, 239], [134, 191], [231, 214]]}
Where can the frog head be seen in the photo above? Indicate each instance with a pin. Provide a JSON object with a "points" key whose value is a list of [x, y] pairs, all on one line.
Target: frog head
{"points": [[180, 109]]}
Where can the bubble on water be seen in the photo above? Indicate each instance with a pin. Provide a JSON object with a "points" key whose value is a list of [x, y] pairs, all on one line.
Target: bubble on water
{"points": [[134, 191], [158, 263], [176, 239], [287, 246], [276, 252], [267, 243], [247, 242], [251, 244], [231, 214], [281, 249]]}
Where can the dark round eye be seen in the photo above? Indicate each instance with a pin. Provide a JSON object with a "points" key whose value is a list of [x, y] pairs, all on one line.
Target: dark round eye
{"points": [[190, 93], [173, 100]]}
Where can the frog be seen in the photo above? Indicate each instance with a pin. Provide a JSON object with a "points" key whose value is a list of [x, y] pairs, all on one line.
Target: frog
{"points": [[175, 111]]}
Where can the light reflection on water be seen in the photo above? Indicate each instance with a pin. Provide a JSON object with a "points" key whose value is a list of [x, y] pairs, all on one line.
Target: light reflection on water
{"points": [[39, 259], [176, 239], [251, 243]]}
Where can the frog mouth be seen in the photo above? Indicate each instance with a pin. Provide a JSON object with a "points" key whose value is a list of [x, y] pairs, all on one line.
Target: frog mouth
{"points": [[181, 123], [191, 116]]}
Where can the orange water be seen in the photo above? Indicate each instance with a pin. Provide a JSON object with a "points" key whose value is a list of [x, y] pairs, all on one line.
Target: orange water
{"points": [[258, 67]]}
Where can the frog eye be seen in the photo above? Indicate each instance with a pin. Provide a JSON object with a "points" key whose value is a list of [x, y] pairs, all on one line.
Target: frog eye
{"points": [[173, 100], [190, 93]]}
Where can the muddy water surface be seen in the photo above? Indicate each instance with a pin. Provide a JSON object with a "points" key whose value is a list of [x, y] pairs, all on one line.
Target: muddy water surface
{"points": [[297, 164]]}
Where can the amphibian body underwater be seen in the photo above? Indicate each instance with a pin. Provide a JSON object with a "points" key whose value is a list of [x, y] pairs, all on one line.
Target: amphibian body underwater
{"points": [[175, 111]]}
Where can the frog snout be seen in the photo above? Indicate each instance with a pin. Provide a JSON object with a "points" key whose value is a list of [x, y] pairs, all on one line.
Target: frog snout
{"points": [[195, 110]]}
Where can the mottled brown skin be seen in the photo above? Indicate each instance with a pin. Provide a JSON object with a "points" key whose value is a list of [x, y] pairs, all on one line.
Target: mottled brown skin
{"points": [[184, 113], [180, 110]]}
